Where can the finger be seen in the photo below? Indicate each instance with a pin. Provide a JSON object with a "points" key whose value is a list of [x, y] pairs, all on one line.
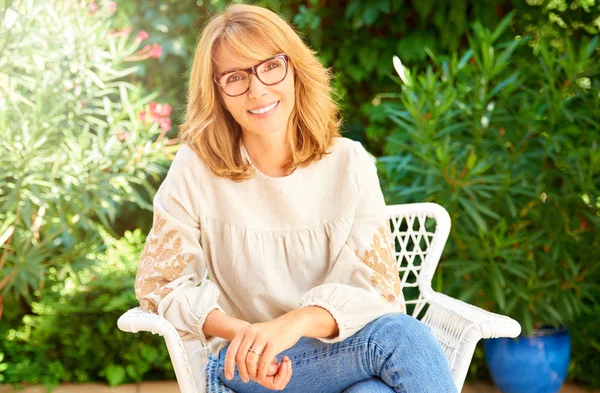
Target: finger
{"points": [[269, 381], [252, 359], [283, 377], [289, 374], [230, 356], [272, 370], [242, 354], [265, 361], [273, 367]]}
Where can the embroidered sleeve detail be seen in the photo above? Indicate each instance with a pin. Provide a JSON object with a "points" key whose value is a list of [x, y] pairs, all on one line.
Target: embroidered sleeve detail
{"points": [[380, 259], [161, 262]]}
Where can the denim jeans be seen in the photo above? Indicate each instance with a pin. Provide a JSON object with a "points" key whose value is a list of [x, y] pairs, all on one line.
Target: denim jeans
{"points": [[394, 353]]}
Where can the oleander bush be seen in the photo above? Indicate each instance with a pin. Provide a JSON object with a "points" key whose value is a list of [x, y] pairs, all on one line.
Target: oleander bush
{"points": [[505, 137], [78, 141]]}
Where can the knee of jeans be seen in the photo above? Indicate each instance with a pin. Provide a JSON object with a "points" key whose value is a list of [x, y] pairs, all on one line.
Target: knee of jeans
{"points": [[397, 326]]}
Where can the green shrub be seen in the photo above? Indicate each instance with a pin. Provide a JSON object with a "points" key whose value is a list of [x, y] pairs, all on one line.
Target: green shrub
{"points": [[73, 147], [72, 336], [585, 350], [507, 141], [357, 38]]}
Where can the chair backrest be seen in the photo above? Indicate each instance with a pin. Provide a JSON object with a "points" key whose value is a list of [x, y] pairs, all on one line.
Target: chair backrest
{"points": [[420, 231]]}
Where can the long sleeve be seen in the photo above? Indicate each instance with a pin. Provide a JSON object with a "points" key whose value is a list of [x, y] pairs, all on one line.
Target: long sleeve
{"points": [[363, 283], [171, 275]]}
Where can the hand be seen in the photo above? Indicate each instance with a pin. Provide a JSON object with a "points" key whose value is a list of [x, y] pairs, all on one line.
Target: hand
{"points": [[273, 368], [268, 339]]}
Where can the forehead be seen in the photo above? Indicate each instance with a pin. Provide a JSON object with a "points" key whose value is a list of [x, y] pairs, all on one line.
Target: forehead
{"points": [[226, 57]]}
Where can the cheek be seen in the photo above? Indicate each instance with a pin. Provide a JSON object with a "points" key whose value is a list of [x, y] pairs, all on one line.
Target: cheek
{"points": [[224, 102], [232, 106]]}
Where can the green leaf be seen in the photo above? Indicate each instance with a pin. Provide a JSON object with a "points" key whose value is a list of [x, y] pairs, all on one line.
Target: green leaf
{"points": [[149, 354], [473, 214], [498, 294], [503, 25], [115, 374]]}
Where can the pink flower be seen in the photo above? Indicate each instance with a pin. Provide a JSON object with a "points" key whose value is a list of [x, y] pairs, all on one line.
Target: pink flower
{"points": [[141, 36], [159, 114], [165, 123], [124, 32], [92, 8], [160, 109], [148, 51], [112, 6], [123, 135], [155, 51]]}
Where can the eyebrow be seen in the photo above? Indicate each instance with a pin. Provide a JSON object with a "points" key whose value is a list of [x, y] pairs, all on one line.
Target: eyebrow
{"points": [[235, 69], [246, 68]]}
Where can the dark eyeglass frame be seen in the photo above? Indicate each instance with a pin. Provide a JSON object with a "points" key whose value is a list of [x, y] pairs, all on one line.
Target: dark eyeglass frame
{"points": [[252, 70]]}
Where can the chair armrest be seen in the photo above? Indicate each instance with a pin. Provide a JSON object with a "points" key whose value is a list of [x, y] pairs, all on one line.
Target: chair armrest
{"points": [[136, 320], [458, 326], [447, 310]]}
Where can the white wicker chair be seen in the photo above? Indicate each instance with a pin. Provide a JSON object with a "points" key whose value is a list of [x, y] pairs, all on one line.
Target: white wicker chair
{"points": [[420, 231]]}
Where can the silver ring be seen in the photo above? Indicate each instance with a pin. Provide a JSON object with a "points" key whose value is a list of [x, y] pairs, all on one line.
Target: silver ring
{"points": [[253, 351]]}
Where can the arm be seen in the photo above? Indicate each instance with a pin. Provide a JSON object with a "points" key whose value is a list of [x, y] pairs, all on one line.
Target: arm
{"points": [[170, 278], [220, 324], [363, 283], [314, 322]]}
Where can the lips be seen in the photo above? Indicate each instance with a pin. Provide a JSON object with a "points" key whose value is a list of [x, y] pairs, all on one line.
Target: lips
{"points": [[263, 109]]}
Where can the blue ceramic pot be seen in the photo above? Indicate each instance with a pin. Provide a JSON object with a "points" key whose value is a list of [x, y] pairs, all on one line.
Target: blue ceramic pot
{"points": [[530, 364]]}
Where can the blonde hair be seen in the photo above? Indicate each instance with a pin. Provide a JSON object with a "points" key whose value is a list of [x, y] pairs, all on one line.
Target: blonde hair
{"points": [[211, 130]]}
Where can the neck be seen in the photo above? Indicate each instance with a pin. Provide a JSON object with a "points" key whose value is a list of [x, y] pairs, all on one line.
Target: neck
{"points": [[269, 154]]}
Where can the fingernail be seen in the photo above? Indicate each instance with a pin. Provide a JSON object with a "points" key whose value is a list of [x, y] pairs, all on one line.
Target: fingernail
{"points": [[228, 376]]}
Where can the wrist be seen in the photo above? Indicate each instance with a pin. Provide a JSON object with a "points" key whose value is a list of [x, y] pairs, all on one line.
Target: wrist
{"points": [[313, 322], [298, 320], [238, 325], [219, 324]]}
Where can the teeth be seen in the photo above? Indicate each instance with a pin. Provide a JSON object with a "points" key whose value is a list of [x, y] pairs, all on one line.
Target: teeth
{"points": [[263, 110]]}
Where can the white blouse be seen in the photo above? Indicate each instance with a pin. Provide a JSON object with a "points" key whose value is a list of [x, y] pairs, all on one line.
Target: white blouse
{"points": [[317, 237]]}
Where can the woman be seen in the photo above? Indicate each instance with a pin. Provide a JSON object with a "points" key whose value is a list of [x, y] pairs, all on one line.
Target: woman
{"points": [[288, 220]]}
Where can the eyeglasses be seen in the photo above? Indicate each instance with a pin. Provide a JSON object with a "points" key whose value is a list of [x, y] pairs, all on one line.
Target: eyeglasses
{"points": [[237, 82]]}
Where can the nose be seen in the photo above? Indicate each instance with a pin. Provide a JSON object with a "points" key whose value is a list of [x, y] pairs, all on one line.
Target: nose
{"points": [[257, 88]]}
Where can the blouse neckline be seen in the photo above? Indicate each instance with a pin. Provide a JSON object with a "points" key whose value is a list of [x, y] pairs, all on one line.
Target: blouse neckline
{"points": [[273, 179]]}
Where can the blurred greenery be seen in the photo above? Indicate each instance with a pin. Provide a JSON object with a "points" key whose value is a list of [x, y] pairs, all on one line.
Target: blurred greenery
{"points": [[505, 136], [72, 332], [499, 125], [357, 39], [73, 149]]}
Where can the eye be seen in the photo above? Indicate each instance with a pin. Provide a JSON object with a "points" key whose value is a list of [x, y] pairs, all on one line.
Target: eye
{"points": [[235, 77], [272, 65]]}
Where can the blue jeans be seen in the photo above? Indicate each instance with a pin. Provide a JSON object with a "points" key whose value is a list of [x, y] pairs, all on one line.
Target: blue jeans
{"points": [[394, 353]]}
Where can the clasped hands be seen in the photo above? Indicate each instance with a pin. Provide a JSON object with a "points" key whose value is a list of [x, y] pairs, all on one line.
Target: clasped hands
{"points": [[254, 349]]}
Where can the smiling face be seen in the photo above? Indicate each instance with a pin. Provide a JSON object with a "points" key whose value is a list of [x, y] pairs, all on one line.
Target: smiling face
{"points": [[248, 109]]}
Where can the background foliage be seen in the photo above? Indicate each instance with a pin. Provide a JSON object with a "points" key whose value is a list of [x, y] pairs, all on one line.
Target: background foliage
{"points": [[71, 334], [507, 141], [498, 123], [73, 148]]}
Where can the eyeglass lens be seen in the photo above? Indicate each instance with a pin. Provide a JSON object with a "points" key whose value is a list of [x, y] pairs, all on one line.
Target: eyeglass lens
{"points": [[270, 72]]}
